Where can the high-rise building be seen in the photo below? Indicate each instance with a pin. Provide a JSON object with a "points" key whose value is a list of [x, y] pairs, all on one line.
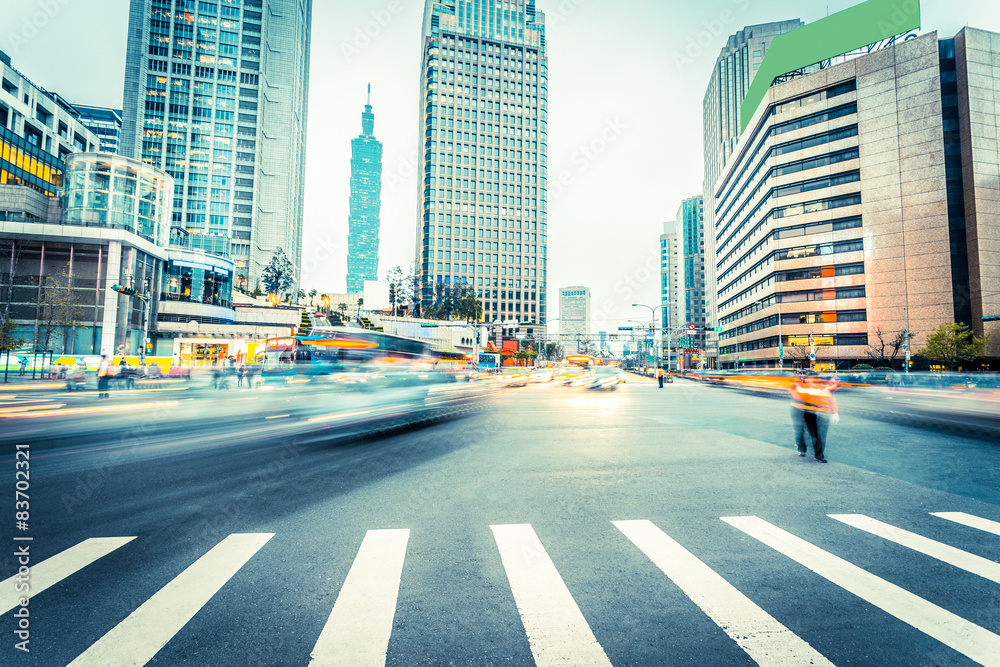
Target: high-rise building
{"points": [[731, 77], [216, 96], [366, 192], [670, 268], [691, 239], [483, 128], [574, 317], [38, 130], [860, 202], [105, 123]]}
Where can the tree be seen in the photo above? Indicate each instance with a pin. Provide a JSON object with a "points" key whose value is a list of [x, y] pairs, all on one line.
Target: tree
{"points": [[396, 286], [883, 352], [553, 351], [59, 310], [312, 296], [343, 310], [952, 343], [257, 291], [361, 302], [279, 275], [300, 295]]}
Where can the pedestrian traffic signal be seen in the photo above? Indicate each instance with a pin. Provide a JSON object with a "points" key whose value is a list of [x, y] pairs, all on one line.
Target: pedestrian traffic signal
{"points": [[127, 291]]}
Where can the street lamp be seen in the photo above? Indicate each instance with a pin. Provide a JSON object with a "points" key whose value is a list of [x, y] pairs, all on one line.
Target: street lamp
{"points": [[652, 311]]}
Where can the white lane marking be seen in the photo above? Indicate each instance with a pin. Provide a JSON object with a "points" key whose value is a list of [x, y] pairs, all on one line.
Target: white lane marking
{"points": [[970, 520], [557, 631], [56, 568], [139, 637], [755, 631], [358, 629], [966, 637], [961, 559]]}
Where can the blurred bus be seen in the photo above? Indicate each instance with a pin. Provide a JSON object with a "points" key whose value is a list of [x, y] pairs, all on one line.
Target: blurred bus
{"points": [[341, 349]]}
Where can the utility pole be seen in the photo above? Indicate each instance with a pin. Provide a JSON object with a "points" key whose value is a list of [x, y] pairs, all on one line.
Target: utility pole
{"points": [[906, 342]]}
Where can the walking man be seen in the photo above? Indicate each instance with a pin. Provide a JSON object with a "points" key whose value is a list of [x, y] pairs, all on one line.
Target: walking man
{"points": [[103, 371], [659, 376], [813, 409]]}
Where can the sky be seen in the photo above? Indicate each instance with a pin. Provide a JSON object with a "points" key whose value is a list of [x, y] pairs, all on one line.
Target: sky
{"points": [[626, 82]]}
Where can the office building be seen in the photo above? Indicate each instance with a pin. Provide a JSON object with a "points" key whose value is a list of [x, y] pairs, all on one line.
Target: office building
{"points": [[38, 130], [483, 128], [365, 203], [105, 123], [216, 96], [861, 199], [670, 272], [691, 239], [574, 318], [732, 75]]}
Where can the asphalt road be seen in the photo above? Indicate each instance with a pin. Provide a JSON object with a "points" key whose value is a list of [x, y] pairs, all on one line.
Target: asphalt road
{"points": [[547, 526]]}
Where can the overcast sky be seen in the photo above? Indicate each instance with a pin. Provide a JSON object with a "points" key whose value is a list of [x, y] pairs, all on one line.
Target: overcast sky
{"points": [[626, 81]]}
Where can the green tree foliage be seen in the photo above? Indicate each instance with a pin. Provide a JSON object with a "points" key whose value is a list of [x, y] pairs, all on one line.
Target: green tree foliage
{"points": [[9, 341], [279, 275], [953, 343]]}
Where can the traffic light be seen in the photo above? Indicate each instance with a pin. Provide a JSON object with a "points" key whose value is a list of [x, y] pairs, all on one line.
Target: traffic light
{"points": [[127, 291]]}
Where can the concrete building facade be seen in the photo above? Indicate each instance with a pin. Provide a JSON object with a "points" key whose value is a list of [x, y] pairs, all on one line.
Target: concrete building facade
{"points": [[105, 123], [734, 70], [38, 130], [483, 128], [840, 214]]}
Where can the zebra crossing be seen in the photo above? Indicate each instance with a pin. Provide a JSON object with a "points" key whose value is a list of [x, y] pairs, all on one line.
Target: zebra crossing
{"points": [[360, 624]]}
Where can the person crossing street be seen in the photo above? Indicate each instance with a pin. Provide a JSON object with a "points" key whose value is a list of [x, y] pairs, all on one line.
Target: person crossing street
{"points": [[813, 409], [659, 376]]}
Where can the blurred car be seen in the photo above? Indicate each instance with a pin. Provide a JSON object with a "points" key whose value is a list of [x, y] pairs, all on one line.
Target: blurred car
{"points": [[541, 375], [606, 377], [515, 377], [576, 376], [457, 370]]}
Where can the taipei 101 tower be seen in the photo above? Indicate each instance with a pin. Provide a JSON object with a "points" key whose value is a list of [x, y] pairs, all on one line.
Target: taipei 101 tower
{"points": [[366, 203]]}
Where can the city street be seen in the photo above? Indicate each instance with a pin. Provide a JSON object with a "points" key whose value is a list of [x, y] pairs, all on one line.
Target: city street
{"points": [[537, 525]]}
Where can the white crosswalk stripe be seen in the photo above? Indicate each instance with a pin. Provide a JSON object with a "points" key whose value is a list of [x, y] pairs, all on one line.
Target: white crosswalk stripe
{"points": [[558, 634], [755, 631], [139, 637], [357, 632], [966, 637], [971, 521], [962, 559], [53, 570]]}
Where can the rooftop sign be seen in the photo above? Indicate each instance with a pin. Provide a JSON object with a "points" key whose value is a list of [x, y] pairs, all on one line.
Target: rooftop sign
{"points": [[843, 32]]}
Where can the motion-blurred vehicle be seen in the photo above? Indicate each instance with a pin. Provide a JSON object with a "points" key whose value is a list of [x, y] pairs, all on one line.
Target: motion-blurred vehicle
{"points": [[515, 377], [577, 376], [541, 375], [606, 377]]}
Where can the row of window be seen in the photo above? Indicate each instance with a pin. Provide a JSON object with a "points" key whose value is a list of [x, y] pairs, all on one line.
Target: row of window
{"points": [[792, 319], [828, 340], [799, 252]]}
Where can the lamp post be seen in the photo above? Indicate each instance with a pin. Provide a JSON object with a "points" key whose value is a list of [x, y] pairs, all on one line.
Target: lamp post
{"points": [[652, 312]]}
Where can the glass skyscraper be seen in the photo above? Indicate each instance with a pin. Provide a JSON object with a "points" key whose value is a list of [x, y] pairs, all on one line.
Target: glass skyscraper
{"points": [[484, 135], [215, 95], [366, 192]]}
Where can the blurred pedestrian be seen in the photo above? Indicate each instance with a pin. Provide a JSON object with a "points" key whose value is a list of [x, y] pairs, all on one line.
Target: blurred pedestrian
{"points": [[813, 409], [103, 373], [659, 376], [24, 364]]}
